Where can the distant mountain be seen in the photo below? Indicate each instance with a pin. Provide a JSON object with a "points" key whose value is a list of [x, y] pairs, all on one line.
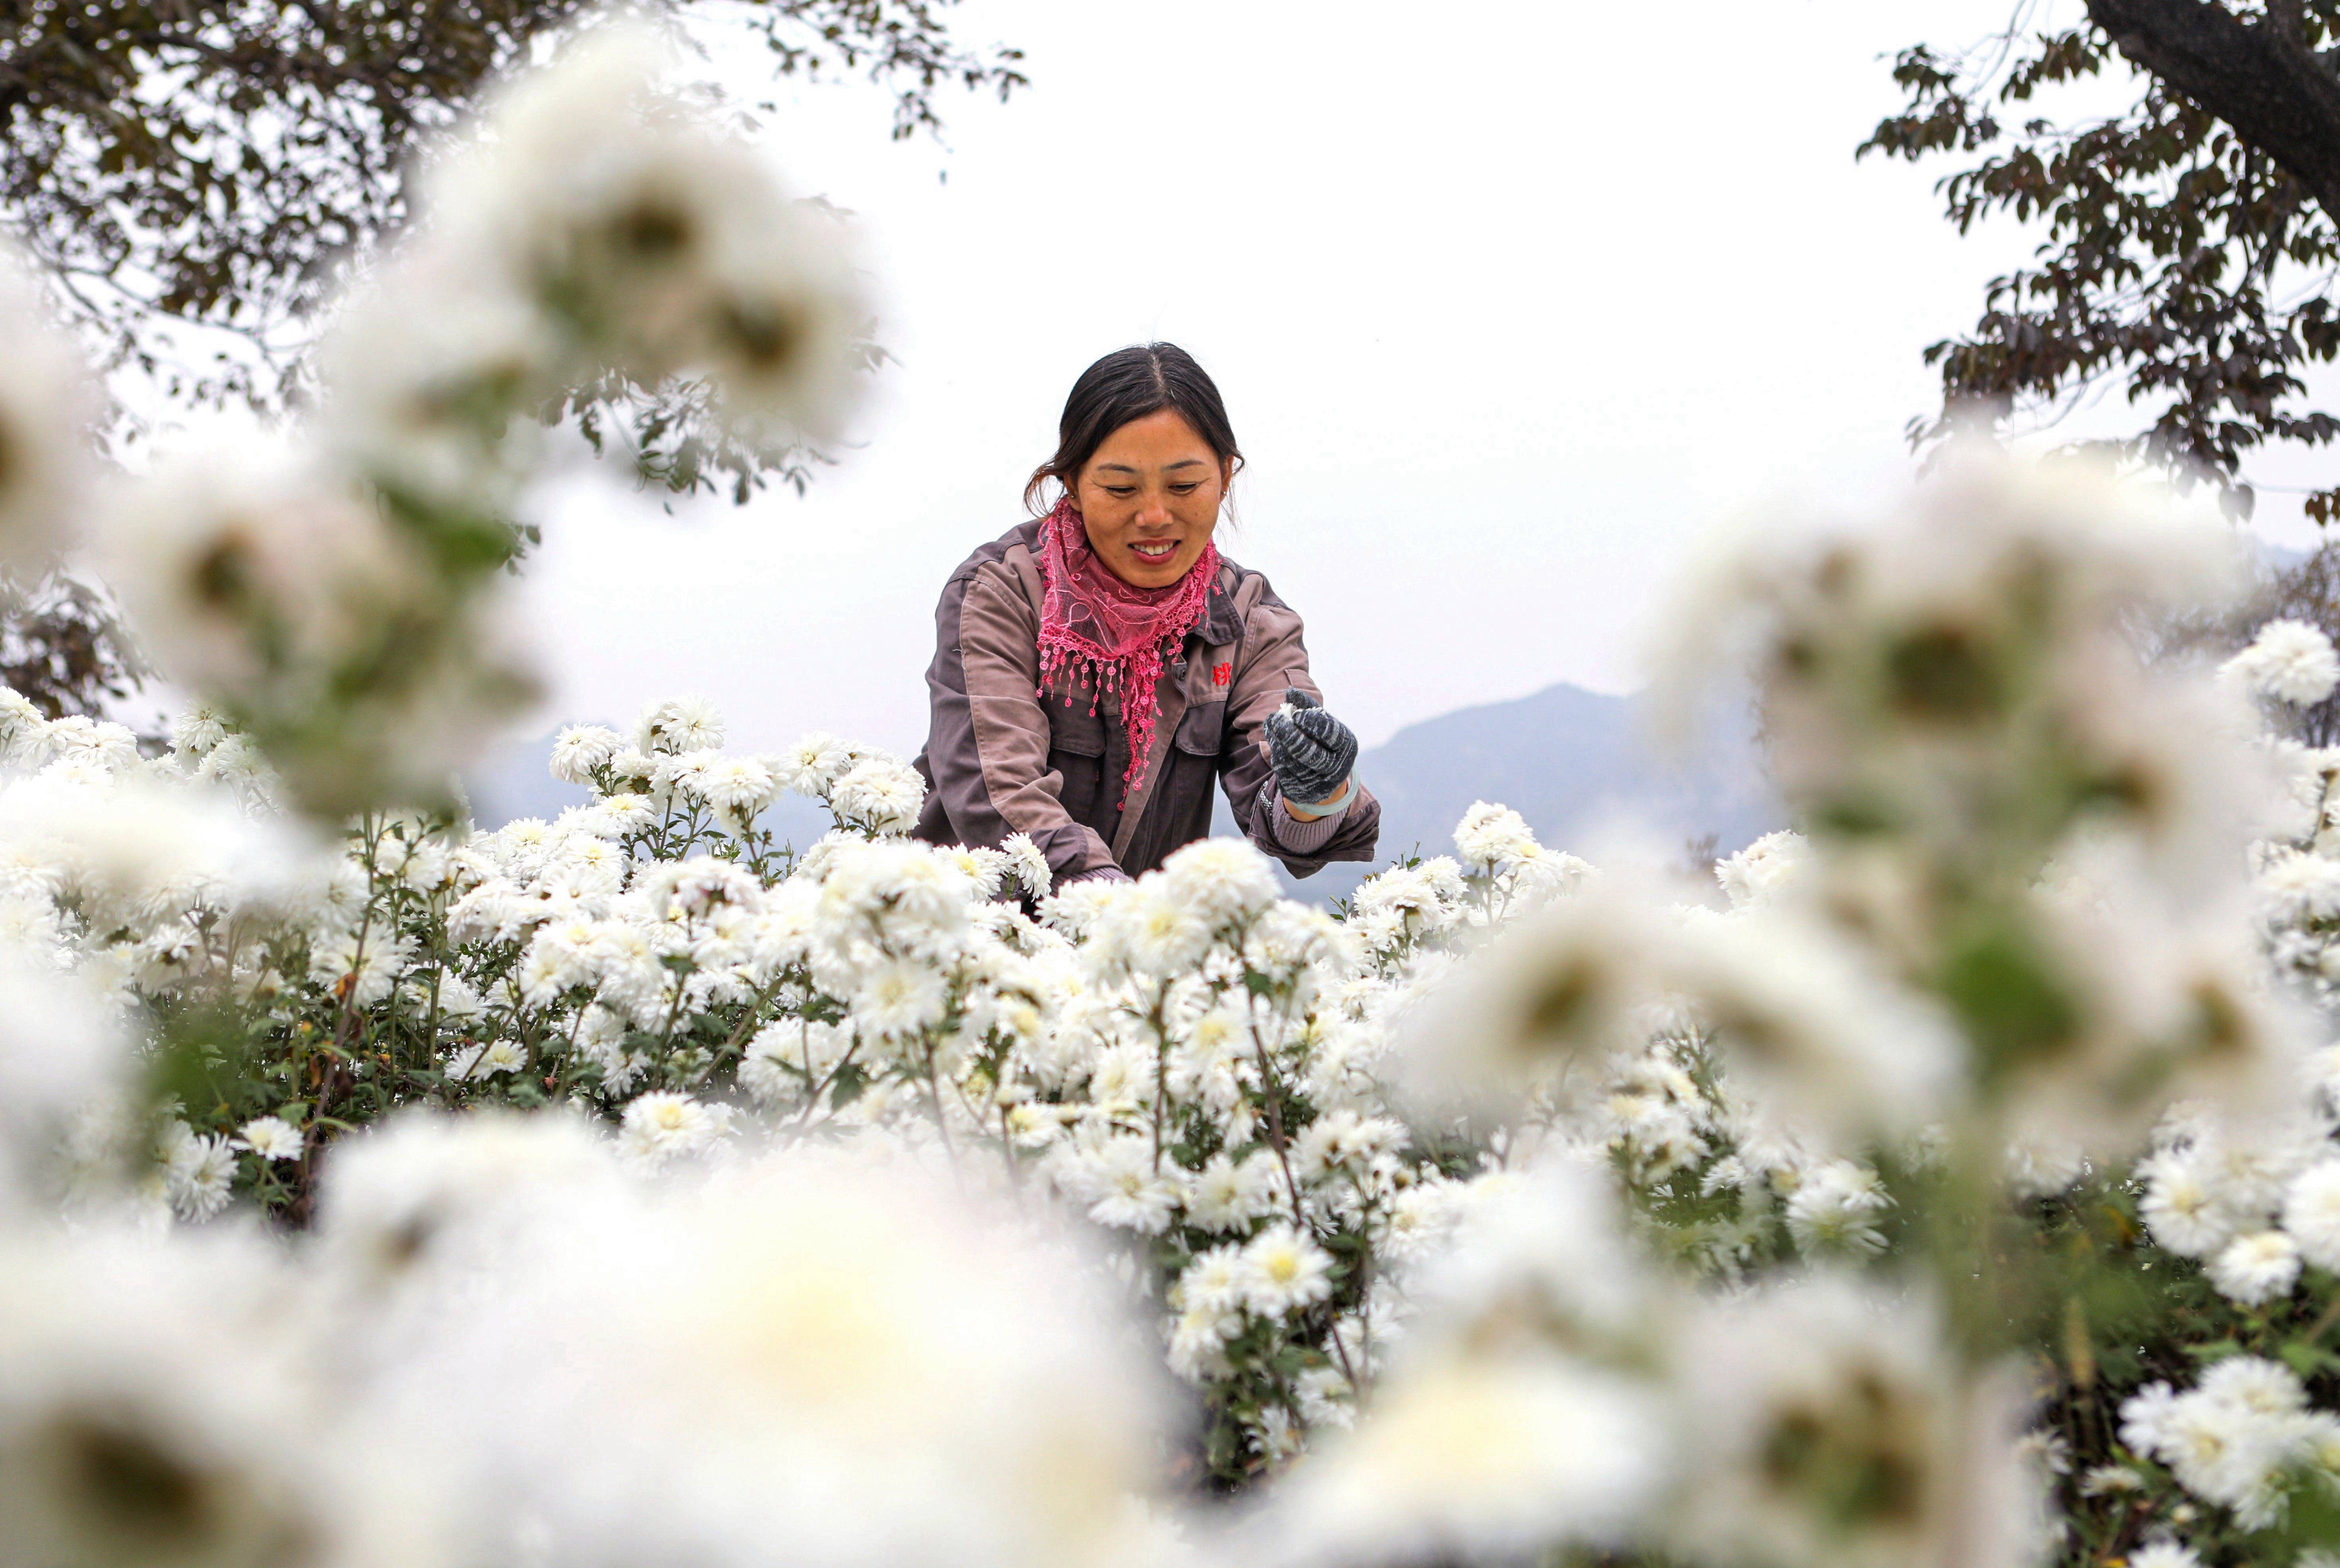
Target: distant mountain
{"points": [[1566, 759]]}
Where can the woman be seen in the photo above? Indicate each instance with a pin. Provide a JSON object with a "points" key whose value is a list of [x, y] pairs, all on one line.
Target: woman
{"points": [[1098, 667]]}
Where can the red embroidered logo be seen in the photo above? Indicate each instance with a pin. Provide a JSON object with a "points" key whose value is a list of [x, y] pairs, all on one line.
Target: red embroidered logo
{"points": [[1222, 674]]}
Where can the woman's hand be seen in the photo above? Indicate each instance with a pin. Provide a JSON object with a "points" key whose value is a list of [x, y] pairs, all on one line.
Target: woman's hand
{"points": [[1311, 751]]}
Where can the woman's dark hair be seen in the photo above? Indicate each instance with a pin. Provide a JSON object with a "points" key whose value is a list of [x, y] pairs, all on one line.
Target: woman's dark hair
{"points": [[1129, 384]]}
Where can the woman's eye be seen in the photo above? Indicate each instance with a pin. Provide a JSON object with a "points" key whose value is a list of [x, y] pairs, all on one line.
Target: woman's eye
{"points": [[1121, 490], [1184, 489]]}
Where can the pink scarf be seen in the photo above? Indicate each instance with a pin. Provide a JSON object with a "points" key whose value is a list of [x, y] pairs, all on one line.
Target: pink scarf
{"points": [[1101, 632]]}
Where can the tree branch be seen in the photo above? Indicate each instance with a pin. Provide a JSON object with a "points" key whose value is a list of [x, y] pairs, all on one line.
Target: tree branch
{"points": [[2270, 87]]}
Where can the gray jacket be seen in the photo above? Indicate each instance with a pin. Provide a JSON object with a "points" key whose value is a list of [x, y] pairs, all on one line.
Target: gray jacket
{"points": [[1000, 759]]}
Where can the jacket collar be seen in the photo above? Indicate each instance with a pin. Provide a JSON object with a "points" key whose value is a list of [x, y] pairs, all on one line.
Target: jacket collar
{"points": [[1221, 625]]}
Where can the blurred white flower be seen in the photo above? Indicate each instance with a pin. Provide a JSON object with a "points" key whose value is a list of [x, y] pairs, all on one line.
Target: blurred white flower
{"points": [[424, 1194], [2288, 662], [1824, 1420], [648, 238], [1561, 987], [46, 404], [1834, 1209], [2229, 1440], [2256, 1269], [2311, 1215], [817, 1340], [1475, 1457], [153, 1407], [1759, 872]]}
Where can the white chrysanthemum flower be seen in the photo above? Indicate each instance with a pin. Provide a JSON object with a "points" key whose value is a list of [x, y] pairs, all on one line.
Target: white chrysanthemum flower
{"points": [[198, 1170], [1563, 985], [487, 1059], [2145, 1417], [1834, 1209], [1214, 1281], [2299, 885], [1134, 1187], [359, 967], [813, 765], [1222, 879], [1029, 865], [898, 998], [2112, 1481], [108, 745], [879, 795], [1154, 930], [270, 1137], [580, 749], [2311, 1215], [737, 787], [1347, 1140], [2290, 662], [2231, 1439], [2256, 1269], [2185, 1212], [2255, 1384], [236, 760], [983, 868], [1225, 1195], [1761, 870], [24, 729], [792, 1056], [1283, 1270], [636, 230], [2165, 1553], [679, 725], [1493, 839], [662, 1126]]}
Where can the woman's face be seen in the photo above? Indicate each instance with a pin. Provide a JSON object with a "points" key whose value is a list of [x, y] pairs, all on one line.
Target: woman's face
{"points": [[1149, 497]]}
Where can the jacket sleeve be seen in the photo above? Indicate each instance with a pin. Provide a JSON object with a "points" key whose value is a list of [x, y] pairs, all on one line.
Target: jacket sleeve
{"points": [[1271, 657], [987, 737]]}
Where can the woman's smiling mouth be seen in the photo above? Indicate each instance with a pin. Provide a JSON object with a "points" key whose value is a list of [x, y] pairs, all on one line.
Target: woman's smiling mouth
{"points": [[1154, 550]]}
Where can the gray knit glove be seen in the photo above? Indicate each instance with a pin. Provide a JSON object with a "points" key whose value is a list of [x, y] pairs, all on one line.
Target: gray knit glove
{"points": [[1311, 751]]}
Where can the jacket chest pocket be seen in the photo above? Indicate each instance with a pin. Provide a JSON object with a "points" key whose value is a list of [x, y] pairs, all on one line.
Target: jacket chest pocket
{"points": [[1202, 732], [1076, 748]]}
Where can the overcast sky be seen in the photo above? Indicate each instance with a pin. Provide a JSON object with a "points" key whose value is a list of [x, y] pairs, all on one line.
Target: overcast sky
{"points": [[1507, 302]]}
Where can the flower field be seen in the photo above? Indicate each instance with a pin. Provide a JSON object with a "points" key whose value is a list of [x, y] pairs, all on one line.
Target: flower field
{"points": [[1950, 1182]]}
